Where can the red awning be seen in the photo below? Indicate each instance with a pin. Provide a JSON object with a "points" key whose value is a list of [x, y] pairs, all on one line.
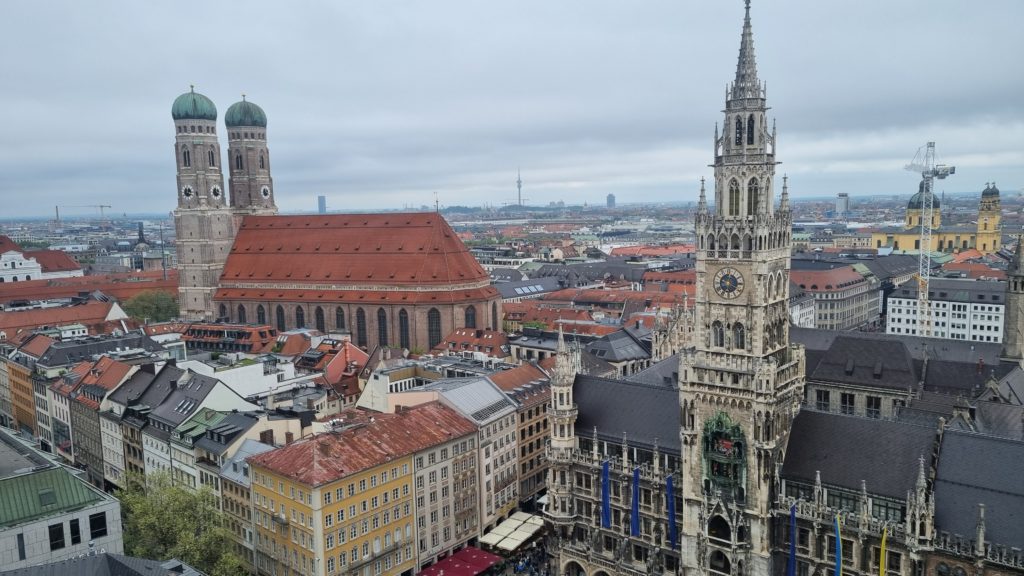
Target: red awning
{"points": [[466, 562]]}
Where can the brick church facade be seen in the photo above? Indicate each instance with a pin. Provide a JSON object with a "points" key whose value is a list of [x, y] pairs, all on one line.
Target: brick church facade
{"points": [[394, 279]]}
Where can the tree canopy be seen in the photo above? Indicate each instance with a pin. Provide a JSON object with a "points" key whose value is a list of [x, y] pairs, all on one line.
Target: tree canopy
{"points": [[163, 521], [152, 306]]}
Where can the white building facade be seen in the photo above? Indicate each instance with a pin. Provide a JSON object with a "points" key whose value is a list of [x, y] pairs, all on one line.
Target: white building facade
{"points": [[962, 309]]}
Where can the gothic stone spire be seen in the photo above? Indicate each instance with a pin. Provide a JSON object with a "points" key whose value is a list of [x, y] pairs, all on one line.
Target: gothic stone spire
{"points": [[746, 84]]}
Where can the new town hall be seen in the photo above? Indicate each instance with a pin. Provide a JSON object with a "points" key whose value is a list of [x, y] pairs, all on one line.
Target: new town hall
{"points": [[697, 465]]}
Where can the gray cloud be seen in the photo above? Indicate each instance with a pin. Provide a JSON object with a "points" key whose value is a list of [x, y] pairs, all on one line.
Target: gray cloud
{"points": [[378, 104]]}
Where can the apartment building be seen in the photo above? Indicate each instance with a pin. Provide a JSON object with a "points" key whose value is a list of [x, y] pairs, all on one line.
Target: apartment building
{"points": [[447, 496], [844, 298], [343, 502], [962, 309]]}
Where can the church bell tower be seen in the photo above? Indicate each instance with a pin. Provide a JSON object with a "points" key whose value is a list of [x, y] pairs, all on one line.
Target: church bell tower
{"points": [[742, 382], [202, 220]]}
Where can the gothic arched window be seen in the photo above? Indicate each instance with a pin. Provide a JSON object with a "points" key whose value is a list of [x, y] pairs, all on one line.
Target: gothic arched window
{"points": [[360, 327], [300, 317], [739, 336], [213, 158], [318, 319], [339, 318], [238, 161], [382, 327], [262, 163], [186, 158], [717, 334], [403, 328], [222, 311], [433, 328], [753, 196], [241, 314], [280, 318], [495, 321], [739, 130], [261, 315], [750, 129], [470, 316], [734, 198]]}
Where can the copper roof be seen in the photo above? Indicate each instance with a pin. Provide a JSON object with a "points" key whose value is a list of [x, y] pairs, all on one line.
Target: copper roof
{"points": [[358, 250], [335, 455]]}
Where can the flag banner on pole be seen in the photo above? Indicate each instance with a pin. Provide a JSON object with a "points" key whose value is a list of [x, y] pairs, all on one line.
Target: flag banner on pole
{"points": [[606, 503], [670, 500], [634, 516], [839, 549], [881, 555], [791, 564]]}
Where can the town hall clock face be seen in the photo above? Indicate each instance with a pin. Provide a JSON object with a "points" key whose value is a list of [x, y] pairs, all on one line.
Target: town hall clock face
{"points": [[728, 283]]}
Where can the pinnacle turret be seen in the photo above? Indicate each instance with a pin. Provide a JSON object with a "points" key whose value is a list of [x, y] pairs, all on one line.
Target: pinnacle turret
{"points": [[784, 199], [702, 204], [746, 84]]}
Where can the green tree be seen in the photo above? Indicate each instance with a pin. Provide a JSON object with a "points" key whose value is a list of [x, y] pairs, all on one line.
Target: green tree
{"points": [[163, 521], [152, 306]]}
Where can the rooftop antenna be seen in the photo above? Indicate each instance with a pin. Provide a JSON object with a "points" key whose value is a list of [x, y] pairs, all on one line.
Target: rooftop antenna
{"points": [[437, 204]]}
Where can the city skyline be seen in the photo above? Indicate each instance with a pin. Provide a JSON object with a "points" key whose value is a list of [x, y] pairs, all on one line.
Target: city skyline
{"points": [[588, 100]]}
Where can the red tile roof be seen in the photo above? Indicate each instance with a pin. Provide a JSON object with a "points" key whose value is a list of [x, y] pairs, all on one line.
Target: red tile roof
{"points": [[8, 245], [975, 270], [36, 345], [653, 250], [358, 250], [834, 280], [295, 343], [674, 277], [510, 380], [489, 342], [92, 315], [314, 295], [53, 260], [119, 286], [583, 296], [335, 455]]}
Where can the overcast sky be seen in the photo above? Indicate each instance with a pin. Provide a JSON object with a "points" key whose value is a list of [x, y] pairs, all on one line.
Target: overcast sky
{"points": [[379, 103]]}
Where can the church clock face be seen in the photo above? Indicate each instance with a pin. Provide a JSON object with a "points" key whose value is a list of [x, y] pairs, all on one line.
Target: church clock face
{"points": [[265, 192], [728, 283]]}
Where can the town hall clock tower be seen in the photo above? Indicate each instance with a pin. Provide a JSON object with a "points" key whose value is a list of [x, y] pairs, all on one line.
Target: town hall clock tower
{"points": [[741, 383]]}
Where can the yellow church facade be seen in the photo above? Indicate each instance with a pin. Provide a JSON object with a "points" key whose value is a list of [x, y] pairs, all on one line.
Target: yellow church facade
{"points": [[984, 236]]}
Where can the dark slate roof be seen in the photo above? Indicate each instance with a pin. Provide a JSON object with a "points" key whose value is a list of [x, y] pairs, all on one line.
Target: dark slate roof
{"points": [[957, 290], [867, 362], [619, 346], [217, 439], [506, 275], [961, 378], [887, 267], [646, 413], [72, 351], [663, 373], [528, 288], [949, 350], [977, 469], [107, 564], [188, 390], [848, 449]]}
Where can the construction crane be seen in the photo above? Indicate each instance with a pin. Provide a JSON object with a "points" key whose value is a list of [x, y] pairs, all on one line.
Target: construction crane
{"points": [[924, 163], [100, 206]]}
